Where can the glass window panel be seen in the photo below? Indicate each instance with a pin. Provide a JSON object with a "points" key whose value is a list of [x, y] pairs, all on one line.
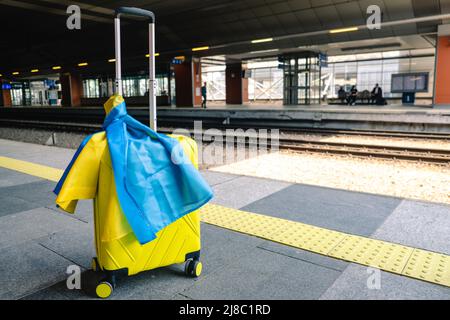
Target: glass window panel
{"points": [[215, 83], [91, 88]]}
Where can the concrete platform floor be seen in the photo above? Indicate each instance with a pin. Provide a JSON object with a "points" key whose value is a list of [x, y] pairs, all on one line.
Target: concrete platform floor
{"points": [[38, 242]]}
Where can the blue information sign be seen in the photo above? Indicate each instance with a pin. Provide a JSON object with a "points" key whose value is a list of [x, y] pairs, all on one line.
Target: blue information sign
{"points": [[177, 61], [323, 60]]}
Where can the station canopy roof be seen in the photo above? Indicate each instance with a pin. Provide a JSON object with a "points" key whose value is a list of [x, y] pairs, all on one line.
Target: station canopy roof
{"points": [[34, 32]]}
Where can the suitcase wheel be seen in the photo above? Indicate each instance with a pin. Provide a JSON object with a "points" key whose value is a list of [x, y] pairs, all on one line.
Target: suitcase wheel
{"points": [[193, 268], [104, 289]]}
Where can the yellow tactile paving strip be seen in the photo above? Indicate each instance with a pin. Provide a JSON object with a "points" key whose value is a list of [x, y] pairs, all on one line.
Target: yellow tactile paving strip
{"points": [[403, 260], [414, 263], [32, 169]]}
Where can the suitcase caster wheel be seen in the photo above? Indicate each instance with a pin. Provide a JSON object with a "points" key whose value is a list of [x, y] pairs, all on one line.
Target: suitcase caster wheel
{"points": [[104, 289], [193, 268]]}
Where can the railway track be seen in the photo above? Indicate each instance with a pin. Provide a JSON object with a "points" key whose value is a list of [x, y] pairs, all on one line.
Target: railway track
{"points": [[440, 156], [437, 156], [304, 123], [428, 136]]}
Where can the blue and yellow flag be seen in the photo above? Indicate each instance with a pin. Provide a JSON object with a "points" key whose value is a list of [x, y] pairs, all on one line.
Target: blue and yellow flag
{"points": [[155, 182]]}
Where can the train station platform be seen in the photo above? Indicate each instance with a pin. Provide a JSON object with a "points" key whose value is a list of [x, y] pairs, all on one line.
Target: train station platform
{"points": [[276, 240], [326, 107], [393, 118]]}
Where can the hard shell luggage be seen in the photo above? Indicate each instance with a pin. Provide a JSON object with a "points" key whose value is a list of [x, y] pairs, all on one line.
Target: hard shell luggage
{"points": [[90, 175], [177, 243], [119, 253]]}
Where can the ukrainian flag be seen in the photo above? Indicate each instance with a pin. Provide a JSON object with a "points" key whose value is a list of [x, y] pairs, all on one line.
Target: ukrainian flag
{"points": [[130, 168]]}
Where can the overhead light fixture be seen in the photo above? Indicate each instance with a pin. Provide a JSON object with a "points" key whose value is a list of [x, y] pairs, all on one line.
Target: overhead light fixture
{"points": [[180, 58], [56, 68], [15, 73], [264, 51], [148, 55], [308, 46], [351, 29], [112, 60], [34, 70], [262, 40], [1, 75], [83, 64], [200, 48]]}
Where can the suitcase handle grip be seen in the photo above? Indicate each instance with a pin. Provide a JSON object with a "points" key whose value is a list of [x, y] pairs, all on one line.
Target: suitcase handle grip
{"points": [[135, 12]]}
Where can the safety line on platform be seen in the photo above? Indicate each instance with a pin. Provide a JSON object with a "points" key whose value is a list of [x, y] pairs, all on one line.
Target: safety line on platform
{"points": [[391, 257], [30, 168]]}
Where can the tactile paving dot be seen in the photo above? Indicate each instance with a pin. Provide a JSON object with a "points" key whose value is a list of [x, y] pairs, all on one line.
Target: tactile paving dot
{"points": [[374, 253], [429, 266]]}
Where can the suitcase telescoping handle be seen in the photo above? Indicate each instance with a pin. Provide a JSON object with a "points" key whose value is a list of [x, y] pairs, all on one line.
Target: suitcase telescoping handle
{"points": [[152, 81]]}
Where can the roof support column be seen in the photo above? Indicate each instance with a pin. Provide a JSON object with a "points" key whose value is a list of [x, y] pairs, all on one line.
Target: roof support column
{"points": [[72, 89], [236, 83], [188, 83], [5, 96], [442, 77]]}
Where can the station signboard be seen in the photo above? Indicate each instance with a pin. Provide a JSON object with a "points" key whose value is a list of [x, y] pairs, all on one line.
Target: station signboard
{"points": [[410, 82], [323, 60], [178, 60]]}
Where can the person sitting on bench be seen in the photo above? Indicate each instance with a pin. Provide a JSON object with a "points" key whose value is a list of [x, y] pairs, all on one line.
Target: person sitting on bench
{"points": [[351, 100], [377, 95], [342, 95]]}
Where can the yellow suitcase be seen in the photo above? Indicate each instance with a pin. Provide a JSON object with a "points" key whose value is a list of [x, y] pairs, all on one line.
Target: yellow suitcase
{"points": [[119, 253]]}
